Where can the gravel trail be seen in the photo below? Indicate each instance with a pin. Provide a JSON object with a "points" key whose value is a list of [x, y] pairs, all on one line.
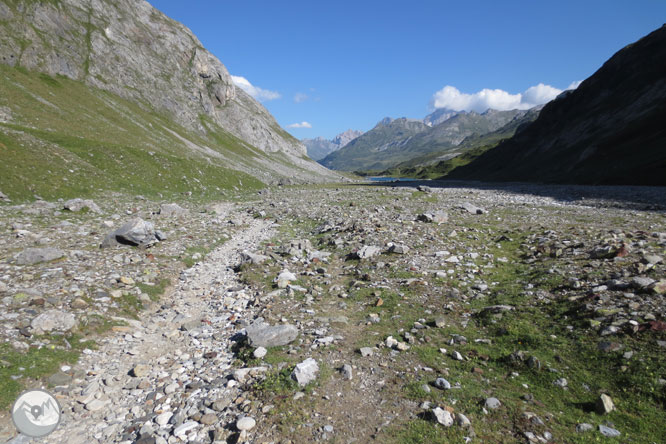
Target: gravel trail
{"points": [[160, 372]]}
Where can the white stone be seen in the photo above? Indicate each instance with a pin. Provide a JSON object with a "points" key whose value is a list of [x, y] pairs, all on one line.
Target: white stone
{"points": [[246, 423]]}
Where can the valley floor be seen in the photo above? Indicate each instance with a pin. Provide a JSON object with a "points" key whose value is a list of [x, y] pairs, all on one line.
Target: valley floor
{"points": [[459, 313]]}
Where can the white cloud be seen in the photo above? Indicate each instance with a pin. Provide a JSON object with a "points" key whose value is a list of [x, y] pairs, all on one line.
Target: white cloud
{"points": [[300, 97], [451, 98], [258, 93], [300, 125]]}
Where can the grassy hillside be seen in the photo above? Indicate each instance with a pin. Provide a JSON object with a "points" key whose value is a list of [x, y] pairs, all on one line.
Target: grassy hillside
{"points": [[61, 138]]}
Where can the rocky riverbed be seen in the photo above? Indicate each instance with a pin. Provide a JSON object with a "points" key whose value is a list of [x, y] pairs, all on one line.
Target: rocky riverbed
{"points": [[460, 313]]}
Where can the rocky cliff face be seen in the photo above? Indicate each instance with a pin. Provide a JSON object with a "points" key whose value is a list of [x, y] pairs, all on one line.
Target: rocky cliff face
{"points": [[609, 130], [131, 49]]}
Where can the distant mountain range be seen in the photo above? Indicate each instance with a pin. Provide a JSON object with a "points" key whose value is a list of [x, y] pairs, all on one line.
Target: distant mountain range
{"points": [[610, 130], [394, 141], [318, 148]]}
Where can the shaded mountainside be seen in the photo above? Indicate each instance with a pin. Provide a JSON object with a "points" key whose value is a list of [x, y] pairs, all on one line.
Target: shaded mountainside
{"points": [[123, 77], [393, 142], [610, 130], [318, 148]]}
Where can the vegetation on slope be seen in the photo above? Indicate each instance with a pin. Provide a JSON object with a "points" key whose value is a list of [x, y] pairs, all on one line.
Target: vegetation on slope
{"points": [[60, 138]]}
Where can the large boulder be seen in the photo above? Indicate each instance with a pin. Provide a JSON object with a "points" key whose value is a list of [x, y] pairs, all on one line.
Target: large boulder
{"points": [[261, 334], [137, 232], [32, 256]]}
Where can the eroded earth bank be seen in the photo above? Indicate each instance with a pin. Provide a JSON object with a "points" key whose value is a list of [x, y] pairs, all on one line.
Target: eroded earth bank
{"points": [[349, 313]]}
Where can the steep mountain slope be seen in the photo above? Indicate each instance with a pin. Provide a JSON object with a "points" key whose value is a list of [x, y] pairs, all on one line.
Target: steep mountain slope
{"points": [[366, 151], [126, 54], [609, 130], [438, 116], [392, 142], [453, 131], [318, 148], [440, 162]]}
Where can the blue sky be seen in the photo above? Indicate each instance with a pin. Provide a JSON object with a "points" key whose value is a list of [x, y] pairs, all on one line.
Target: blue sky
{"points": [[347, 64]]}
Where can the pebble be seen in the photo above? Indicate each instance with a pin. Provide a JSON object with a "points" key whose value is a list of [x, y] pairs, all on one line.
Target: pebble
{"points": [[245, 423], [259, 352], [184, 428], [608, 431], [444, 417]]}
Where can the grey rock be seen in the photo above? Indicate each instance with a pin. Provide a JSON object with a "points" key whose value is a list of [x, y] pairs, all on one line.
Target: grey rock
{"points": [[346, 371], [76, 205], [136, 232], [438, 217], [444, 417], [498, 308], [172, 210], [368, 251], [653, 259], [609, 431], [442, 383], [492, 403], [561, 382], [604, 404], [253, 258], [399, 249], [53, 320], [245, 423], [264, 335], [96, 405], [641, 283], [141, 370], [33, 256], [305, 372], [463, 421], [182, 429], [163, 418], [473, 209], [584, 427], [366, 351], [209, 419], [259, 353]]}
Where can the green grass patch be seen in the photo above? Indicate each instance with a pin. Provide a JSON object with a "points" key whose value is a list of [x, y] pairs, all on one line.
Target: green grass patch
{"points": [[154, 292], [17, 368]]}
